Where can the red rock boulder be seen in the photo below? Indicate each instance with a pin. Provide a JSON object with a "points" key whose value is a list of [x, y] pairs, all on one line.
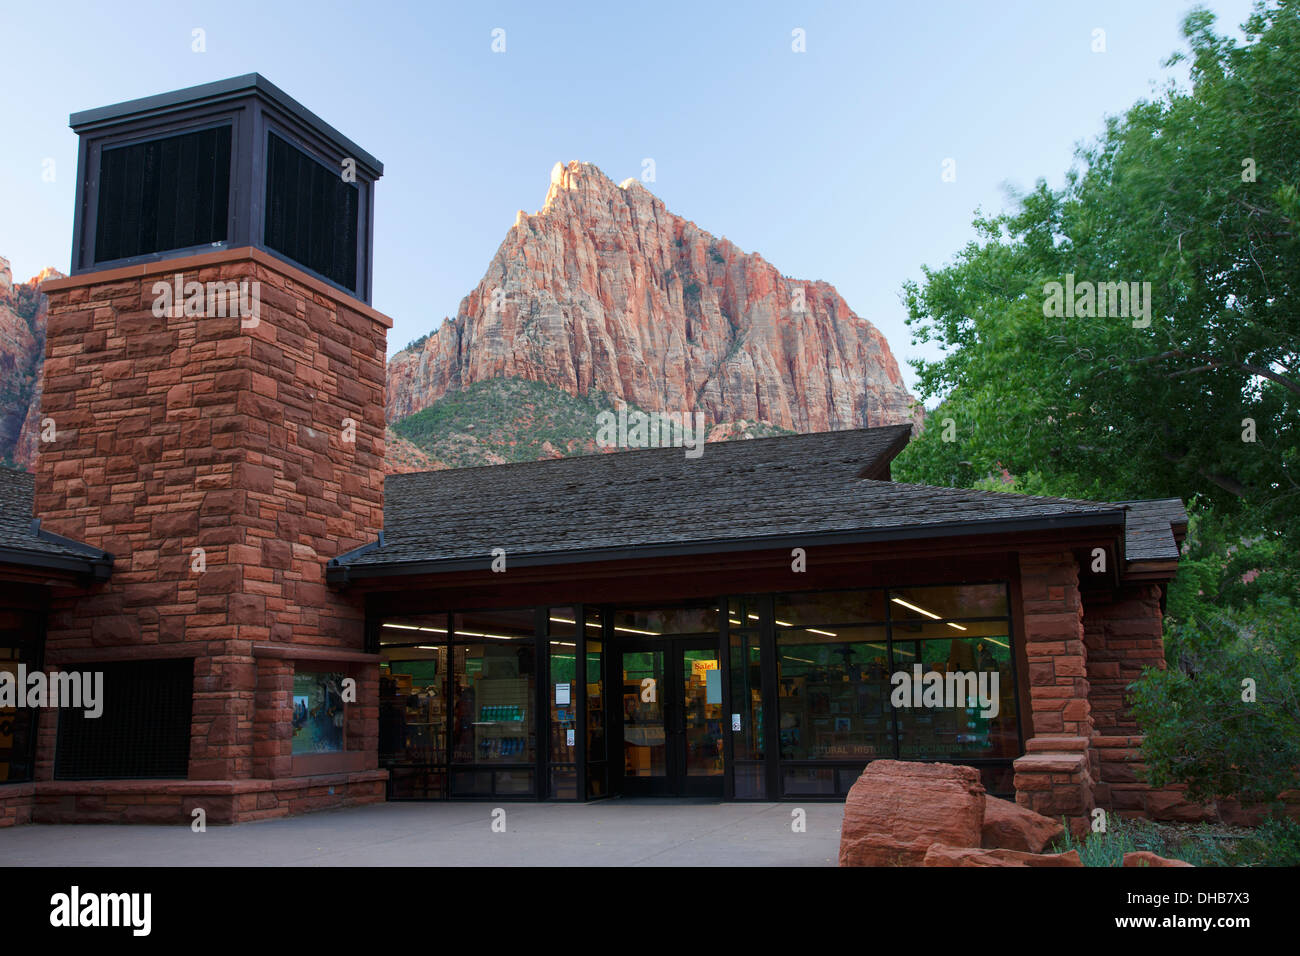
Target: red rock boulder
{"points": [[1009, 826], [1147, 858], [940, 855], [898, 809]]}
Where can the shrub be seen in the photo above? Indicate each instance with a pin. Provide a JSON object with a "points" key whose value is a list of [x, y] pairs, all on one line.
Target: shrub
{"points": [[1106, 848], [1203, 727], [1275, 843]]}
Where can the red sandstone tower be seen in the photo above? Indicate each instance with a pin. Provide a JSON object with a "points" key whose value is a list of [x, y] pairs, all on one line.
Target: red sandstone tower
{"points": [[214, 379]]}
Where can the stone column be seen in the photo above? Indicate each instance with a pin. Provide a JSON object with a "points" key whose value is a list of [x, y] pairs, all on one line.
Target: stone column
{"points": [[1055, 777], [223, 458]]}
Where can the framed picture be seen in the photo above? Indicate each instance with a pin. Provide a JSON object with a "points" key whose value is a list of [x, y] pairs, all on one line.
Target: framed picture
{"points": [[317, 712]]}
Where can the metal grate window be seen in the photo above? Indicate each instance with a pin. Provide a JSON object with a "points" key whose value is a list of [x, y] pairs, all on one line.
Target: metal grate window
{"points": [[21, 636], [311, 213], [164, 194], [144, 730]]}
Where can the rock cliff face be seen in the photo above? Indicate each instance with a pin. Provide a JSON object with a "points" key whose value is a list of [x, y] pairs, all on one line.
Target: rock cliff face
{"points": [[603, 291], [607, 290], [22, 356]]}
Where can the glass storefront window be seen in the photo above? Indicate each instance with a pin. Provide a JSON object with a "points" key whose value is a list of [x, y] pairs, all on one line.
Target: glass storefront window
{"points": [[745, 612], [595, 703], [978, 669], [829, 607], [659, 622], [494, 625], [564, 700], [644, 744], [835, 679], [747, 739], [414, 629], [746, 696], [492, 705], [909, 630], [457, 689], [952, 601], [470, 680], [413, 720], [561, 623], [833, 695], [597, 785], [702, 712]]}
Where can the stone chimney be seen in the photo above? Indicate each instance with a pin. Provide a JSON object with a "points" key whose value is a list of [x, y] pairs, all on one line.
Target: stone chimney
{"points": [[214, 389]]}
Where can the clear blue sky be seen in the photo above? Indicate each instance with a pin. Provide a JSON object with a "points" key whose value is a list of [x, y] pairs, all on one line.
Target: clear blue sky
{"points": [[826, 162]]}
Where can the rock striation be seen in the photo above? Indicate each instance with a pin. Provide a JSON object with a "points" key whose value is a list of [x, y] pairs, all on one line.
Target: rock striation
{"points": [[23, 310], [606, 290]]}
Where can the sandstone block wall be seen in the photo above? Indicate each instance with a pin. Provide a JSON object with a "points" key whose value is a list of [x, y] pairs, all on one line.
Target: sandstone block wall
{"points": [[1123, 631], [251, 449], [16, 803], [1083, 746], [1052, 616]]}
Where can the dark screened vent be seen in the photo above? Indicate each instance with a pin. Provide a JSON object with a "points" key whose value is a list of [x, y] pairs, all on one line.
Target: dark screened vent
{"points": [[311, 213], [170, 193], [144, 730], [215, 169]]}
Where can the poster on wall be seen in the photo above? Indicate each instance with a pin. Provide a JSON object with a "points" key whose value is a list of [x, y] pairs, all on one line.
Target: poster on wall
{"points": [[317, 712]]}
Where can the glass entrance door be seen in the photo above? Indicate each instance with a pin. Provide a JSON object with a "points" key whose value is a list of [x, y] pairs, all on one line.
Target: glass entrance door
{"points": [[645, 728], [699, 721], [672, 718]]}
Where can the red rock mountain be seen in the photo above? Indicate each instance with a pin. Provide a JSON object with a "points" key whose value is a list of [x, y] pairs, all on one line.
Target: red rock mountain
{"points": [[604, 290], [607, 290], [22, 356]]}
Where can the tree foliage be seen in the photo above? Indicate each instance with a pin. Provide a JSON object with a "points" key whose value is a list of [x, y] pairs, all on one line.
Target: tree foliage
{"points": [[1194, 192]]}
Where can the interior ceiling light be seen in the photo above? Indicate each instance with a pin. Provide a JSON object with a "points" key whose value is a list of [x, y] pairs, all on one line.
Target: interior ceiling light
{"points": [[918, 610]]}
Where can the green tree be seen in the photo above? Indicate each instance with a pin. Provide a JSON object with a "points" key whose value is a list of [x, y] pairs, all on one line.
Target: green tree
{"points": [[1194, 192]]}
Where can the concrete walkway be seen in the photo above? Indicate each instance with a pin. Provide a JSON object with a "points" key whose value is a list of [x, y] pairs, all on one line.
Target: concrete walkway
{"points": [[616, 832]]}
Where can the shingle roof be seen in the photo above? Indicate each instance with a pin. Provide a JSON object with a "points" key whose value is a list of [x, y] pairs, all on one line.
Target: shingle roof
{"points": [[23, 542], [738, 494], [1152, 530]]}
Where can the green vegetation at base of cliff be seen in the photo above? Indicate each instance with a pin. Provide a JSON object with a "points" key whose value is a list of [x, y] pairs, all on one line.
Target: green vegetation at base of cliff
{"points": [[514, 419]]}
